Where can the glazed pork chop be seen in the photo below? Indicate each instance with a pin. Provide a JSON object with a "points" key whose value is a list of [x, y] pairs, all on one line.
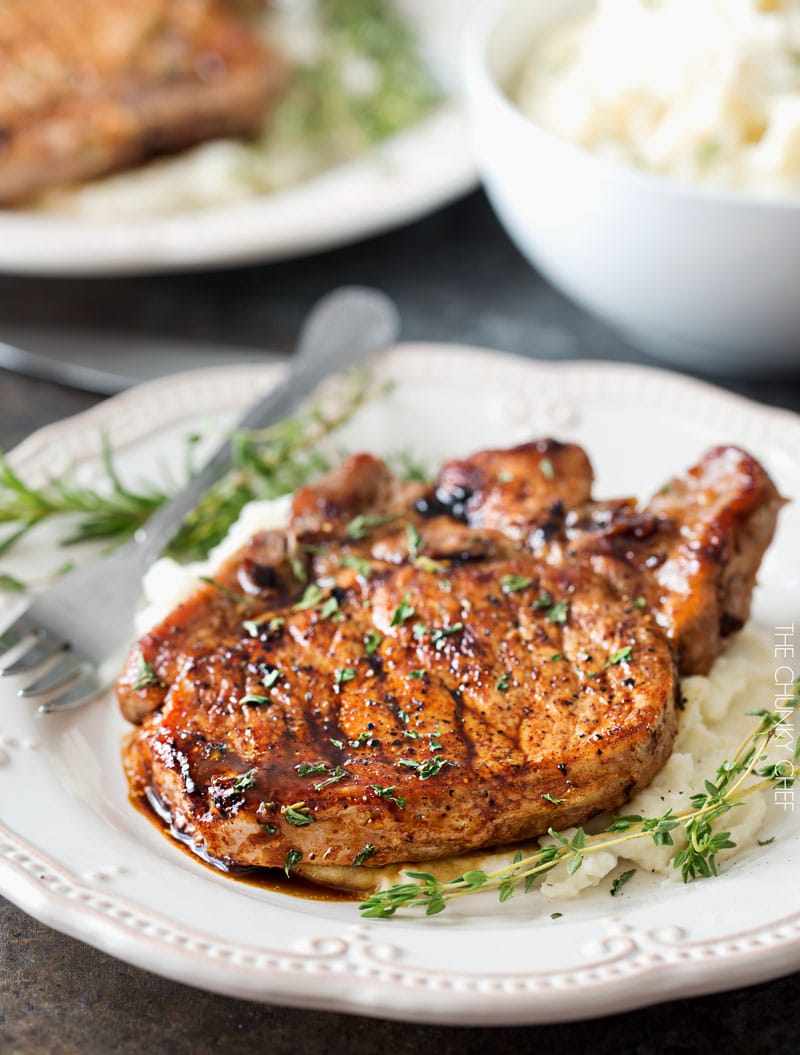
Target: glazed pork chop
{"points": [[91, 86], [410, 671]]}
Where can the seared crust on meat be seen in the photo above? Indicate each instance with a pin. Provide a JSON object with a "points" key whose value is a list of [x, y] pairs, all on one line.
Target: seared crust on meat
{"points": [[460, 679], [693, 552], [91, 86]]}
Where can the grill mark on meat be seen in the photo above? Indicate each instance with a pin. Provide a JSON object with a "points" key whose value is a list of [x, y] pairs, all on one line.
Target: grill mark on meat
{"points": [[513, 704]]}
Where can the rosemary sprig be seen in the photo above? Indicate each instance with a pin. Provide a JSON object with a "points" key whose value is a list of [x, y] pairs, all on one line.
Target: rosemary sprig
{"points": [[113, 514], [267, 464], [729, 788]]}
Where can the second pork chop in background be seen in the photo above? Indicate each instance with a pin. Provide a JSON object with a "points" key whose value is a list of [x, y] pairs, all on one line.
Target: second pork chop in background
{"points": [[93, 86]]}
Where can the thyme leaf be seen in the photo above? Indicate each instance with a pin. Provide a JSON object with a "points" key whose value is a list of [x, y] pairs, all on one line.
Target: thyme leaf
{"points": [[363, 854], [312, 595], [365, 523], [514, 583], [389, 795], [337, 774], [404, 611], [415, 541], [621, 880], [145, 675], [343, 675], [428, 768], [245, 781], [372, 641], [293, 857], [622, 655], [298, 814]]}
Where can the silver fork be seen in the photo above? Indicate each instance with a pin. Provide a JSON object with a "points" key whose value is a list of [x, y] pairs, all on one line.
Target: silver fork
{"points": [[71, 631]]}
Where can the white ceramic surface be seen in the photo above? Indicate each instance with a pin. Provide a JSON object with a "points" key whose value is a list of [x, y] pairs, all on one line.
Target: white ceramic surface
{"points": [[76, 855], [704, 278], [406, 177]]}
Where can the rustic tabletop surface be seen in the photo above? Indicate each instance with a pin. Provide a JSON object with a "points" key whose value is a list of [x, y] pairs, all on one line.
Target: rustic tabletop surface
{"points": [[58, 996]]}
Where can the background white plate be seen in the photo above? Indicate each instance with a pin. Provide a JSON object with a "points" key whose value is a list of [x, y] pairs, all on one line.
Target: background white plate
{"points": [[404, 178], [76, 855]]}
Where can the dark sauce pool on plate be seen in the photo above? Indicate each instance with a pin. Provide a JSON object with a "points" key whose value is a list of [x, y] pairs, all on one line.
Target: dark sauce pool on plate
{"points": [[272, 879]]}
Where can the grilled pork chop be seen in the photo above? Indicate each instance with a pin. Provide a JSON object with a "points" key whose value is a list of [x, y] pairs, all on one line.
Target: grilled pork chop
{"points": [[409, 672], [90, 86]]}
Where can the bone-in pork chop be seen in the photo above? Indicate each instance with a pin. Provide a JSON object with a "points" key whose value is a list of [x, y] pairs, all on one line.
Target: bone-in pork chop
{"points": [[413, 671]]}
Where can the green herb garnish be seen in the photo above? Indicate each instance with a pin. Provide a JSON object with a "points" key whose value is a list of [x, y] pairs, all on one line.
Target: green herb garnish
{"points": [[514, 583], [259, 701], [362, 855], [558, 612], [389, 795], [428, 768], [621, 880], [359, 564], [11, 584], [298, 814], [415, 541], [372, 641], [255, 627], [429, 564], [307, 769], [293, 857], [622, 655], [343, 675], [298, 568], [145, 675], [223, 589], [245, 781], [405, 610], [330, 609], [312, 595], [439, 635], [337, 774], [365, 523]]}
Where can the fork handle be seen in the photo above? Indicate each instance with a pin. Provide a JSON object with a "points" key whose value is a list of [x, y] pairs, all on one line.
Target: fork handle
{"points": [[342, 330]]}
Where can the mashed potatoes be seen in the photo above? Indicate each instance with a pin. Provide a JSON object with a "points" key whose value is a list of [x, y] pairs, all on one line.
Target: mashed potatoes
{"points": [[707, 91], [712, 724]]}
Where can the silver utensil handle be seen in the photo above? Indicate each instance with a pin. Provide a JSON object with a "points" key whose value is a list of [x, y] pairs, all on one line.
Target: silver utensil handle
{"points": [[342, 330]]}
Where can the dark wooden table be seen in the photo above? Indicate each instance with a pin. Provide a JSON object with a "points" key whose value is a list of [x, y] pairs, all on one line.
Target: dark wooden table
{"points": [[456, 278]]}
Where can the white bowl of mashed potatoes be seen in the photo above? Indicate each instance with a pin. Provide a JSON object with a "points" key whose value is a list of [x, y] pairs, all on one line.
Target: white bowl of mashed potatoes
{"points": [[645, 156]]}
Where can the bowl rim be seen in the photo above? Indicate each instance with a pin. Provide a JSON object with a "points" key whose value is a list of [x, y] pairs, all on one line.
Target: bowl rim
{"points": [[481, 25]]}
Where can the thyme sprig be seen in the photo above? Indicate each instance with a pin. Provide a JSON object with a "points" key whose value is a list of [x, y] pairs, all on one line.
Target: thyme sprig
{"points": [[729, 788], [266, 464]]}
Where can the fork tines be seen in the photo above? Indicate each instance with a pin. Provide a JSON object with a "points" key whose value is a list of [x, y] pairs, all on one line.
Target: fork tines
{"points": [[66, 681]]}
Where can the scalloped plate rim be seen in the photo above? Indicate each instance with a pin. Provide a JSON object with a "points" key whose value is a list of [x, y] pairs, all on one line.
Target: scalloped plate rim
{"points": [[651, 978]]}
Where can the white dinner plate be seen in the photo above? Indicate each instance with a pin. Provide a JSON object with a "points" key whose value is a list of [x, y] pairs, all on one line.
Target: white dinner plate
{"points": [[400, 180], [76, 855]]}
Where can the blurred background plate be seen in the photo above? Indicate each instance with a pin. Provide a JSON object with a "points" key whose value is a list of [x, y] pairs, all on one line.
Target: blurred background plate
{"points": [[405, 177]]}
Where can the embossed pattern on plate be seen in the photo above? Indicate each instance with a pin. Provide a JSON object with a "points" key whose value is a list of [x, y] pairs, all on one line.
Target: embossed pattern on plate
{"points": [[74, 854]]}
